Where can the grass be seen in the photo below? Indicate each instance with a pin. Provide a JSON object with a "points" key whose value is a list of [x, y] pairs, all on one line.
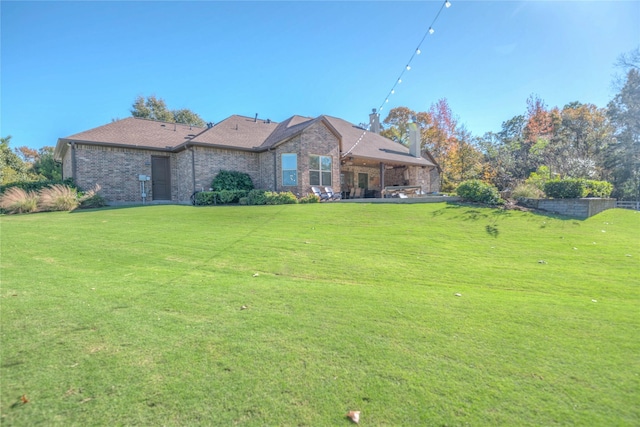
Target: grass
{"points": [[133, 316]]}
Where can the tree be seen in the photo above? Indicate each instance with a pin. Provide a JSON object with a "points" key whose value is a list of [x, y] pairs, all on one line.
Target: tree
{"points": [[623, 156], [451, 145], [12, 168], [46, 166], [156, 109], [188, 117]]}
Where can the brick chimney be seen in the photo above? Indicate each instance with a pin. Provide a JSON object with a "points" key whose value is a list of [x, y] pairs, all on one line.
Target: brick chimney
{"points": [[374, 122]]}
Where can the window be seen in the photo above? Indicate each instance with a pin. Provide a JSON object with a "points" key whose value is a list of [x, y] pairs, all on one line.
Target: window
{"points": [[289, 169], [319, 170]]}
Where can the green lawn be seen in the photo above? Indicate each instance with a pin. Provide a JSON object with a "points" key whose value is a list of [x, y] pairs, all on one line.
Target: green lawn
{"points": [[134, 316]]}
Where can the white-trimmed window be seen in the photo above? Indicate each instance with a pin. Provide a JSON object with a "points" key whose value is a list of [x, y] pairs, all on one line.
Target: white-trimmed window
{"points": [[289, 169], [320, 170]]}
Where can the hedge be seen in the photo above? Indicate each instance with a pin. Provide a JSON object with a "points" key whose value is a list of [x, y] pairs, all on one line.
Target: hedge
{"points": [[575, 188]]}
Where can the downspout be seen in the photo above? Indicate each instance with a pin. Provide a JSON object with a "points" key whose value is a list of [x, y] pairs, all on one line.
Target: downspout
{"points": [[193, 168], [275, 170]]}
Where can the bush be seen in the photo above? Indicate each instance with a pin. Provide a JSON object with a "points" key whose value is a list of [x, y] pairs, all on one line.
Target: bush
{"points": [[570, 188], [232, 180], [475, 190], [284, 198], [36, 186], [243, 201], [574, 188], [257, 197], [59, 197], [598, 188], [310, 198], [527, 191], [16, 200], [223, 197]]}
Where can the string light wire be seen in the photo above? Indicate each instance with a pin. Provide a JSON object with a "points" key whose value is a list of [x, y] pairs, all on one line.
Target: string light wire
{"points": [[417, 51]]}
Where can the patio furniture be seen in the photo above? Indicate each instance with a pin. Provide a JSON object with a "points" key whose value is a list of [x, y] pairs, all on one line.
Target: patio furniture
{"points": [[332, 194], [323, 196]]}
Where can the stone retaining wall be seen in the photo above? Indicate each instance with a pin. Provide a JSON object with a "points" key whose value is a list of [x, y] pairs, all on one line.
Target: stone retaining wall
{"points": [[578, 208]]}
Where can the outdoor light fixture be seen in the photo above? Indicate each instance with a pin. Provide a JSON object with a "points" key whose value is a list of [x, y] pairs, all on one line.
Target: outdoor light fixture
{"points": [[417, 51], [431, 30], [447, 4], [408, 67]]}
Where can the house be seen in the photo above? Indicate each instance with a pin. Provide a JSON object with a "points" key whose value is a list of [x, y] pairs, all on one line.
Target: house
{"points": [[136, 160]]}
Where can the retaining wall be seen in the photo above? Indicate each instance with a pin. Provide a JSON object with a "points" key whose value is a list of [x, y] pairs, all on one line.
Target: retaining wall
{"points": [[579, 208]]}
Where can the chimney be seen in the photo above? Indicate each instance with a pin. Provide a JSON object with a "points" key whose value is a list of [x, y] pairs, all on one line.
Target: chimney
{"points": [[374, 121], [414, 138]]}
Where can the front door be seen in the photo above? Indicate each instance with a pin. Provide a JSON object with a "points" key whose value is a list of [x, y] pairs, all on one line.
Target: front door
{"points": [[363, 180], [160, 178]]}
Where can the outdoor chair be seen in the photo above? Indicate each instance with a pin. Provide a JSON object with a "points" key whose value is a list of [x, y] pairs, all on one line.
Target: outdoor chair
{"points": [[352, 193], [323, 196], [332, 194]]}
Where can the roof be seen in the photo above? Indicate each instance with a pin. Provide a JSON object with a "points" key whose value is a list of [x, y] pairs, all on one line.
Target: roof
{"points": [[241, 133], [238, 132], [133, 132], [372, 146]]}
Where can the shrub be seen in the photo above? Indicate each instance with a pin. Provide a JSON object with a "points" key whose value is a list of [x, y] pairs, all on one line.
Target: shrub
{"points": [[475, 190], [226, 196], [527, 190], [232, 180], [310, 198], [36, 186], [284, 198], [243, 201], [206, 198], [91, 199], [570, 188], [16, 200], [598, 188], [257, 197], [539, 177], [59, 197]]}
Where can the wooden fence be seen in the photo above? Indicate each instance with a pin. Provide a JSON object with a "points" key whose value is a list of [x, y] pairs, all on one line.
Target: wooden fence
{"points": [[628, 205]]}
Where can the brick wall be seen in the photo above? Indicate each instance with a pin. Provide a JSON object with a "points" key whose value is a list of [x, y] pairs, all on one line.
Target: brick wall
{"points": [[209, 161], [116, 170], [317, 140]]}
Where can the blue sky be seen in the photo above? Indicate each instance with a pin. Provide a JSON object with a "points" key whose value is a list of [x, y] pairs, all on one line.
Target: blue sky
{"points": [[70, 66]]}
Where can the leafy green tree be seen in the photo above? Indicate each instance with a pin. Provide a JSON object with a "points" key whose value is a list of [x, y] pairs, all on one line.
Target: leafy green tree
{"points": [[154, 108], [623, 156], [12, 168], [46, 166]]}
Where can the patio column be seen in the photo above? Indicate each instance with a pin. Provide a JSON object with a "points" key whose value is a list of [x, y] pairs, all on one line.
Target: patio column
{"points": [[381, 178]]}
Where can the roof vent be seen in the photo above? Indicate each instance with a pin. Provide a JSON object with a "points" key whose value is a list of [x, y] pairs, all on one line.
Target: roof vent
{"points": [[209, 125], [256, 119]]}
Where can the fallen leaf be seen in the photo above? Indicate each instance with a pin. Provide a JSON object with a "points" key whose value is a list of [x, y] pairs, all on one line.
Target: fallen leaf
{"points": [[244, 307], [593, 300], [86, 400], [24, 399], [354, 416], [256, 275], [458, 295], [542, 261]]}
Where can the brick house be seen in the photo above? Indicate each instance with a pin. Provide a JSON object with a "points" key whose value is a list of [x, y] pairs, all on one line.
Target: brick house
{"points": [[289, 156]]}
